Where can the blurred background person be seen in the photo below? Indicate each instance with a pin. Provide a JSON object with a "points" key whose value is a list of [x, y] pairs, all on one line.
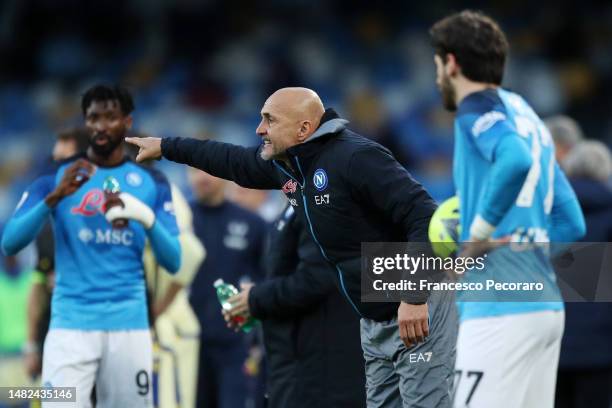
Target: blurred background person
{"points": [[310, 332], [585, 366], [38, 310], [15, 279], [267, 204], [176, 330], [175, 327], [68, 143], [234, 240], [566, 133]]}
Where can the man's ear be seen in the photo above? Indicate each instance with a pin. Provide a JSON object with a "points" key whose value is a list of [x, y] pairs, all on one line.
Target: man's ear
{"points": [[305, 130], [451, 66]]}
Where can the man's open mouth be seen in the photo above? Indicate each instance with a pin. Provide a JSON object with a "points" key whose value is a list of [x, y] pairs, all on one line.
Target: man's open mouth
{"points": [[101, 140]]}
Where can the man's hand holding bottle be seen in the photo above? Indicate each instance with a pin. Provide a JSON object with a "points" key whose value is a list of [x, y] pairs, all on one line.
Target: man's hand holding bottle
{"points": [[235, 305]]}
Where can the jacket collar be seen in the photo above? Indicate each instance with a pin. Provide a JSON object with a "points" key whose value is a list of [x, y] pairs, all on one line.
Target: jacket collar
{"points": [[331, 124]]}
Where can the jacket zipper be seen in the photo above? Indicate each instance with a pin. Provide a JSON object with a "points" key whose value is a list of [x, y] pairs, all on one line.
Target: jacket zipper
{"points": [[340, 276]]}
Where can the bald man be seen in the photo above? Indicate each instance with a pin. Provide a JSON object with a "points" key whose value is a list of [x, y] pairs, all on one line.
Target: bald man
{"points": [[347, 189]]}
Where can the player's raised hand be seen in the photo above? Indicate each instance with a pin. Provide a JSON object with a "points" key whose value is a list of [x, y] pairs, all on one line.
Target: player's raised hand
{"points": [[413, 322], [126, 206], [74, 177], [149, 147]]}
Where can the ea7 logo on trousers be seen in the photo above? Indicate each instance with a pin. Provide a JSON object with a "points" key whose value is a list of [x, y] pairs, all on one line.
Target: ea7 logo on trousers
{"points": [[420, 357]]}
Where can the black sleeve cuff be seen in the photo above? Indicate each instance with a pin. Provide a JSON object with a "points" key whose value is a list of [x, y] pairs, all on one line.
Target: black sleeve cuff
{"points": [[414, 298], [167, 147], [254, 307]]}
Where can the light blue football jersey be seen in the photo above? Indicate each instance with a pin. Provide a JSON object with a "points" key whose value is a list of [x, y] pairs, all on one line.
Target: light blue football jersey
{"points": [[99, 282], [484, 119]]}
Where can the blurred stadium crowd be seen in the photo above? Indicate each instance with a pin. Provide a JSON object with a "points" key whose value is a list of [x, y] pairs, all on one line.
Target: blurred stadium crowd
{"points": [[203, 69]]}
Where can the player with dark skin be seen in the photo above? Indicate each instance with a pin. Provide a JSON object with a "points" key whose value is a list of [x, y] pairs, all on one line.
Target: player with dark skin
{"points": [[90, 303], [107, 126]]}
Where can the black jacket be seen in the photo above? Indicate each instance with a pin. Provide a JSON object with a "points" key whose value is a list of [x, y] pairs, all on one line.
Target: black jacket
{"points": [[311, 335], [363, 195]]}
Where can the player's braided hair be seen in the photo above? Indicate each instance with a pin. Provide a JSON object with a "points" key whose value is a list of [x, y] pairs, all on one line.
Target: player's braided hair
{"points": [[476, 41], [108, 93]]}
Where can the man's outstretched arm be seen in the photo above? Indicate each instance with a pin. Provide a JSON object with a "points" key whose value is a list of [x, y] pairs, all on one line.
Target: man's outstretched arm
{"points": [[242, 165]]}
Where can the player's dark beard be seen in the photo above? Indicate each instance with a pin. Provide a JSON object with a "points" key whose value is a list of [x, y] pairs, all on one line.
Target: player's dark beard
{"points": [[448, 94], [106, 149]]}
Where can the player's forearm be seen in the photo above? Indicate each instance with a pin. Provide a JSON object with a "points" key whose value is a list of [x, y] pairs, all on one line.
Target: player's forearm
{"points": [[508, 174], [167, 298], [236, 163], [165, 246], [53, 198], [22, 230], [36, 299], [192, 255]]}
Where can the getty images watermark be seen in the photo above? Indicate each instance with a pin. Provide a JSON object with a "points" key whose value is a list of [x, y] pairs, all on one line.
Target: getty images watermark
{"points": [[412, 264], [525, 272]]}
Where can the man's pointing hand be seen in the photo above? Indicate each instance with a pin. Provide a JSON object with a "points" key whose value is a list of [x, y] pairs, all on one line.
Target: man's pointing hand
{"points": [[150, 147]]}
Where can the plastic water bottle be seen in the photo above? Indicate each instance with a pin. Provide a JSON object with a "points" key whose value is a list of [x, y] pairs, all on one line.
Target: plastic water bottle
{"points": [[111, 191], [226, 291]]}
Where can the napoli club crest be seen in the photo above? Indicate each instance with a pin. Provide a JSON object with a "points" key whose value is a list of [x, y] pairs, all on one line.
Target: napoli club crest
{"points": [[133, 179], [320, 179]]}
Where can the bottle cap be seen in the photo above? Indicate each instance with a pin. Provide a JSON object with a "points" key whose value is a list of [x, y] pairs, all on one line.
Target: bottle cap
{"points": [[218, 283], [111, 185]]}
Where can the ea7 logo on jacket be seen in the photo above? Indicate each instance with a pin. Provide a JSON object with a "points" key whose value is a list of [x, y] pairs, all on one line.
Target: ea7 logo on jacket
{"points": [[320, 179], [290, 187], [321, 199]]}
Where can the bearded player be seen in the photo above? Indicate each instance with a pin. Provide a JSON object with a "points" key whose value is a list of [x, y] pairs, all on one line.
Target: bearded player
{"points": [[510, 188], [99, 330]]}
